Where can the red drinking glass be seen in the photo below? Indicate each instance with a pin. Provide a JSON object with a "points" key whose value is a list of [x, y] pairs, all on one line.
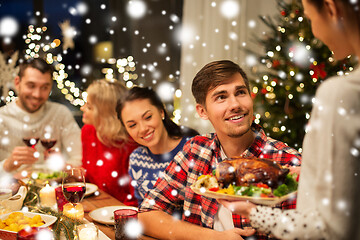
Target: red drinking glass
{"points": [[60, 198], [34, 233], [121, 217]]}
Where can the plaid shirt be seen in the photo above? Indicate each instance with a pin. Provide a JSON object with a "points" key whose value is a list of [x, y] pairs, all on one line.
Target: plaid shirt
{"points": [[200, 156]]}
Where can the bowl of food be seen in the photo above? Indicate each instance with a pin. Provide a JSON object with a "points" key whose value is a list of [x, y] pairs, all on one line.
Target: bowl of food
{"points": [[41, 176], [260, 181], [17, 220]]}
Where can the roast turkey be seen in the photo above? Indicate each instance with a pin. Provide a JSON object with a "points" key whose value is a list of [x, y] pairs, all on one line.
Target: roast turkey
{"points": [[246, 171]]}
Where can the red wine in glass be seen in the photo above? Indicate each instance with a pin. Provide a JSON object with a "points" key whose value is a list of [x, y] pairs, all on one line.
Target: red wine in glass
{"points": [[74, 193], [73, 184], [48, 143], [31, 141]]}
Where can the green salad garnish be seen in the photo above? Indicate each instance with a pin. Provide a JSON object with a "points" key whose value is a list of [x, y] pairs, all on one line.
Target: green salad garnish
{"points": [[252, 191], [53, 175], [290, 185]]}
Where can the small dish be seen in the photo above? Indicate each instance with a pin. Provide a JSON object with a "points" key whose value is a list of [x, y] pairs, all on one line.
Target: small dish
{"points": [[90, 189], [105, 215]]}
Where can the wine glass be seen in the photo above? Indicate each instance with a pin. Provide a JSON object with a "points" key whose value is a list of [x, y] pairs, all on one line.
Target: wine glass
{"points": [[73, 185], [48, 139], [31, 137]]}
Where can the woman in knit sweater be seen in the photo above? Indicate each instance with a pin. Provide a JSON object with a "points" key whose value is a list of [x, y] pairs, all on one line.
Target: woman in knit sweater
{"points": [[147, 122]]}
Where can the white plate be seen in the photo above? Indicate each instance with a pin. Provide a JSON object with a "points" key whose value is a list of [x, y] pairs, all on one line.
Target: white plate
{"points": [[105, 215], [48, 219], [90, 189], [267, 201]]}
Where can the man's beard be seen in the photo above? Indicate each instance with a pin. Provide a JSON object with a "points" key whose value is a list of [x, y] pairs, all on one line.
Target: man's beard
{"points": [[237, 135], [26, 106]]}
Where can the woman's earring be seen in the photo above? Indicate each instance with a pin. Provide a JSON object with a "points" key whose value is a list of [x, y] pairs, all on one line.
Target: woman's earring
{"points": [[163, 118]]}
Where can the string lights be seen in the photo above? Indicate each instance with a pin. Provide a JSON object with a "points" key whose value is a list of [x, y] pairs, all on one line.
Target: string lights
{"points": [[36, 44]]}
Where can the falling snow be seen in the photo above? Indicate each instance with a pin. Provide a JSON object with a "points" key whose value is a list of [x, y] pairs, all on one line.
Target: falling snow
{"points": [[166, 91], [55, 162], [114, 174], [300, 54], [342, 111], [174, 192], [136, 8], [93, 39], [133, 229], [9, 26], [355, 152], [108, 155], [229, 8]]}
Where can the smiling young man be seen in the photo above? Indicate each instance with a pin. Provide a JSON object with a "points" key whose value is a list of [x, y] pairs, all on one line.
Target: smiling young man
{"points": [[222, 93], [32, 112]]}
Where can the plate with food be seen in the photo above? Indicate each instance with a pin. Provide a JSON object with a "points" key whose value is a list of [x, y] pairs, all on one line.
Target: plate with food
{"points": [[90, 189], [15, 221], [260, 181], [105, 215], [40, 176]]}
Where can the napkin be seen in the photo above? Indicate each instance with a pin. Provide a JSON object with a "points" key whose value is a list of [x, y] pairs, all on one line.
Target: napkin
{"points": [[223, 219]]}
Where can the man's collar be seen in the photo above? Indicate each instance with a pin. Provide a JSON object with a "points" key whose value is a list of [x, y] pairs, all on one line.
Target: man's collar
{"points": [[256, 148]]}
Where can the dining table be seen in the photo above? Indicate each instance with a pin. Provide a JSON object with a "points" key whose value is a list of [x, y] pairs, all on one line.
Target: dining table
{"points": [[98, 199], [102, 199]]}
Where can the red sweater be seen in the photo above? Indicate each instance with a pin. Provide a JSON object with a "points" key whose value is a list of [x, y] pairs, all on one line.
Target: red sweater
{"points": [[107, 167]]}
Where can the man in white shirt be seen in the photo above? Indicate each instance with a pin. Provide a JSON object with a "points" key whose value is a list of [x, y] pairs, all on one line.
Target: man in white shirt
{"points": [[32, 112]]}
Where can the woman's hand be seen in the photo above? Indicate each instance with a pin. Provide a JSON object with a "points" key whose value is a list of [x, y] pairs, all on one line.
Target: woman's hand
{"points": [[238, 207]]}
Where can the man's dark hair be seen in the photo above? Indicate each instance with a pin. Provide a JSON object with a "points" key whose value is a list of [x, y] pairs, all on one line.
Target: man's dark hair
{"points": [[37, 63], [212, 75]]}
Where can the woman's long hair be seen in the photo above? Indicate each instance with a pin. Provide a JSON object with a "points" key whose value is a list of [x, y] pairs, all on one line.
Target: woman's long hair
{"points": [[104, 96], [173, 130]]}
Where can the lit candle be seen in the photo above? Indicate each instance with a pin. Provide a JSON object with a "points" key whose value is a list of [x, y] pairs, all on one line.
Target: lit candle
{"points": [[48, 197], [72, 211], [87, 232]]}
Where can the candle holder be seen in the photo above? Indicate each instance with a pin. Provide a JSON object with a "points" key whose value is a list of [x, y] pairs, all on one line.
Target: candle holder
{"points": [[48, 197], [74, 210], [88, 231]]}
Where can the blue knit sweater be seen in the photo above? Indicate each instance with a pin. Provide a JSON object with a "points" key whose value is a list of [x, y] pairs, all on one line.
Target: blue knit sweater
{"points": [[146, 167]]}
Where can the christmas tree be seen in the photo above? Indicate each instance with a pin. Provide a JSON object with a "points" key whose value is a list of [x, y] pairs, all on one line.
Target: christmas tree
{"points": [[293, 66]]}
